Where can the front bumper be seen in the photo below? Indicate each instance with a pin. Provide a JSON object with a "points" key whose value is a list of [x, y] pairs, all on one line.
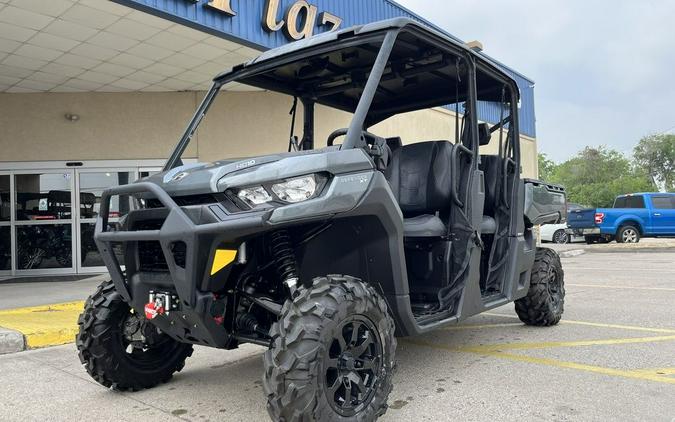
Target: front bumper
{"points": [[199, 230]]}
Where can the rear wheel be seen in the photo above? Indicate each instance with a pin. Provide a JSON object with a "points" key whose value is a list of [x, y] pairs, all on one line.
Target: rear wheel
{"points": [[332, 357], [561, 237], [121, 349], [543, 305], [628, 234]]}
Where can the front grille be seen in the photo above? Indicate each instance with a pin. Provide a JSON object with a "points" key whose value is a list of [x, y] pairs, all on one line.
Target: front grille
{"points": [[150, 253], [151, 257]]}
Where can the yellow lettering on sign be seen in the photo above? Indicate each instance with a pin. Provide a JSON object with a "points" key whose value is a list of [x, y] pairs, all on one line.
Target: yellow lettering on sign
{"points": [[329, 18], [270, 16], [293, 19], [222, 5]]}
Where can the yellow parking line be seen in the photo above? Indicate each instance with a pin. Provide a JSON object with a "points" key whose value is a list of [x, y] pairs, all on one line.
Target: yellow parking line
{"points": [[552, 344], [597, 324], [46, 325], [634, 374], [481, 326], [602, 286], [657, 371], [583, 367]]}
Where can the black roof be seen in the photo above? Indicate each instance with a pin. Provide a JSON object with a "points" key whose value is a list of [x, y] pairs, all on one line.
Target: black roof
{"points": [[332, 69]]}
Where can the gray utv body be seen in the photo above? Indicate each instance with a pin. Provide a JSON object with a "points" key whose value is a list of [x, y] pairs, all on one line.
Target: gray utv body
{"points": [[358, 223]]}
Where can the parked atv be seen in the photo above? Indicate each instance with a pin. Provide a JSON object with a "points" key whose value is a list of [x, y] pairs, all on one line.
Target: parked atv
{"points": [[325, 255]]}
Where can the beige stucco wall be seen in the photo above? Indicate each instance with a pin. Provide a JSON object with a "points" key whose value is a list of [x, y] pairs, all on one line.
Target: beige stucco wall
{"points": [[147, 126]]}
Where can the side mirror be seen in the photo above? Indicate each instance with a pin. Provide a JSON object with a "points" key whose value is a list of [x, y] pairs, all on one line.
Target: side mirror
{"points": [[484, 134]]}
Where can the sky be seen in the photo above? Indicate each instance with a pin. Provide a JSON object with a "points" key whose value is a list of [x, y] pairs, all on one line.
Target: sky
{"points": [[604, 71]]}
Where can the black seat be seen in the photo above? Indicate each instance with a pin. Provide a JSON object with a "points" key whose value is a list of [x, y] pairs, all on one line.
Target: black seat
{"points": [[491, 166], [420, 178]]}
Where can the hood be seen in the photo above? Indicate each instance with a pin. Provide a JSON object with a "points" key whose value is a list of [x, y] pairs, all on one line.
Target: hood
{"points": [[218, 176]]}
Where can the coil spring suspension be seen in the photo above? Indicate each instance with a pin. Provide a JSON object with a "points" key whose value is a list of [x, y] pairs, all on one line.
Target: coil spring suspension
{"points": [[284, 258]]}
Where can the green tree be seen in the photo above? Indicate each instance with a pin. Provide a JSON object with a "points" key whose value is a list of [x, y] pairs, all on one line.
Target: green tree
{"points": [[656, 154], [546, 167], [595, 176]]}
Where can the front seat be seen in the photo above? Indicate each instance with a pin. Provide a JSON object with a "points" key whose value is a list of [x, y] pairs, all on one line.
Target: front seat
{"points": [[420, 177], [491, 166]]}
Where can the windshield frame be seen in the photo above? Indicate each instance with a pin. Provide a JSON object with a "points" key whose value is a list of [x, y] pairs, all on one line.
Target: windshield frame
{"points": [[385, 37]]}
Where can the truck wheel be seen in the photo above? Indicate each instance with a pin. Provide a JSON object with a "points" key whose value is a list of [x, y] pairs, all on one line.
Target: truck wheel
{"points": [[543, 305], [560, 237], [332, 356], [120, 349], [628, 234]]}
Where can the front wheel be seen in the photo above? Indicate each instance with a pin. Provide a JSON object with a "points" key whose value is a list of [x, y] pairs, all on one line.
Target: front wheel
{"points": [[121, 349], [543, 305], [332, 356]]}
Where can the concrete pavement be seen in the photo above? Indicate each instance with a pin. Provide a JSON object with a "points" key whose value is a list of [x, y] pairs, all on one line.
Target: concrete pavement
{"points": [[612, 358]]}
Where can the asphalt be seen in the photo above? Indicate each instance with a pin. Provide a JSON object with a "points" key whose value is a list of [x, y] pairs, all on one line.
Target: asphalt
{"points": [[19, 293], [612, 358]]}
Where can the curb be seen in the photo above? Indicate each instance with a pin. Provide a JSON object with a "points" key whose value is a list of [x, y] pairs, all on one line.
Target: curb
{"points": [[11, 341], [572, 253], [38, 326]]}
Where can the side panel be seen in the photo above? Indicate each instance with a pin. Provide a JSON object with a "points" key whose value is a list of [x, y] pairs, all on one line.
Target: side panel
{"points": [[662, 208], [617, 217]]}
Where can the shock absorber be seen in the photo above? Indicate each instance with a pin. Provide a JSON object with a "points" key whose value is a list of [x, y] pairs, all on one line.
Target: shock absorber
{"points": [[284, 258]]}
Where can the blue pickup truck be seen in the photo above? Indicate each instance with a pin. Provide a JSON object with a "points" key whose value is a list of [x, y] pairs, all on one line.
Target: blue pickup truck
{"points": [[632, 217]]}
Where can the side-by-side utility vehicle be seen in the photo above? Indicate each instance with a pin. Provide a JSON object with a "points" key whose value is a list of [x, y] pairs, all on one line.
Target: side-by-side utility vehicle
{"points": [[326, 252]]}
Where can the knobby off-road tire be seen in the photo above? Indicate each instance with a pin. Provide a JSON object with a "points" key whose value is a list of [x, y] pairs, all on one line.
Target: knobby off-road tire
{"points": [[332, 340], [105, 352], [544, 304]]}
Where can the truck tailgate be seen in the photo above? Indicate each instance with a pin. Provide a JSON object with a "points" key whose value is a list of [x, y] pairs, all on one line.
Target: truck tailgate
{"points": [[580, 219]]}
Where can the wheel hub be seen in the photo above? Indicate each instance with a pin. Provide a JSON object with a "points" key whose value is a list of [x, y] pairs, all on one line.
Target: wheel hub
{"points": [[554, 288], [353, 365]]}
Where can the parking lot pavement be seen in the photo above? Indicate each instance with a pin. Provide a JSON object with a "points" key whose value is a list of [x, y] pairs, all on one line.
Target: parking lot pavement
{"points": [[612, 358]]}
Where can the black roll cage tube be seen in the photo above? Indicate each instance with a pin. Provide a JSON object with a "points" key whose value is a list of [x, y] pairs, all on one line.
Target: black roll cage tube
{"points": [[357, 125], [247, 71]]}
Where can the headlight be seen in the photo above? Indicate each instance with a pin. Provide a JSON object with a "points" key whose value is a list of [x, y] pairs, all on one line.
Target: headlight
{"points": [[296, 190], [253, 196]]}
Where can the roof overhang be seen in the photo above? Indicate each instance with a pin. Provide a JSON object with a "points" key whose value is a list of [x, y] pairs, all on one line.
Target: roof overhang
{"points": [[95, 45]]}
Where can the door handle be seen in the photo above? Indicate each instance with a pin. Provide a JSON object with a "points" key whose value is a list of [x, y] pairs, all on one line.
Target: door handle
{"points": [[657, 214]]}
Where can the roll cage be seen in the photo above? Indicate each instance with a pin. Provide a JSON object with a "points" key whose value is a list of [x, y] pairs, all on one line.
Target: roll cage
{"points": [[393, 67]]}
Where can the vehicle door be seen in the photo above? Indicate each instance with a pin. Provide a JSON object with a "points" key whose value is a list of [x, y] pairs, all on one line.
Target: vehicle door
{"points": [[663, 214], [629, 207]]}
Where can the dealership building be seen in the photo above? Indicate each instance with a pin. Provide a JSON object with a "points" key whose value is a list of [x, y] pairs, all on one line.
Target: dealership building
{"points": [[95, 93]]}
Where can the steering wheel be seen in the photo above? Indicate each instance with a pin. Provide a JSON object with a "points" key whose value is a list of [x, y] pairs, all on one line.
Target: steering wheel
{"points": [[376, 146], [370, 138], [336, 134]]}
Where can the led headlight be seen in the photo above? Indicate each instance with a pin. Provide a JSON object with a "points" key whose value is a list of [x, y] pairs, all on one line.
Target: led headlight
{"points": [[256, 195], [296, 190]]}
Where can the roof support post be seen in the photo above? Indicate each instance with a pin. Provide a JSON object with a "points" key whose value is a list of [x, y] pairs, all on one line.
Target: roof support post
{"points": [[356, 125], [308, 124]]}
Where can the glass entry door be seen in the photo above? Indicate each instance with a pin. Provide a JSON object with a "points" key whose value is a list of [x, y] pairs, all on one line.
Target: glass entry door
{"points": [[42, 213], [90, 185], [48, 215]]}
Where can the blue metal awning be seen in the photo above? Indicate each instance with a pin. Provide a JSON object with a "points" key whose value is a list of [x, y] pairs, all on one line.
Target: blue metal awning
{"points": [[241, 21]]}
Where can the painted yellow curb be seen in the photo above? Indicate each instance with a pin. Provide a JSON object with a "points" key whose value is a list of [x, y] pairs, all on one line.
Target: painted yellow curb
{"points": [[46, 325]]}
